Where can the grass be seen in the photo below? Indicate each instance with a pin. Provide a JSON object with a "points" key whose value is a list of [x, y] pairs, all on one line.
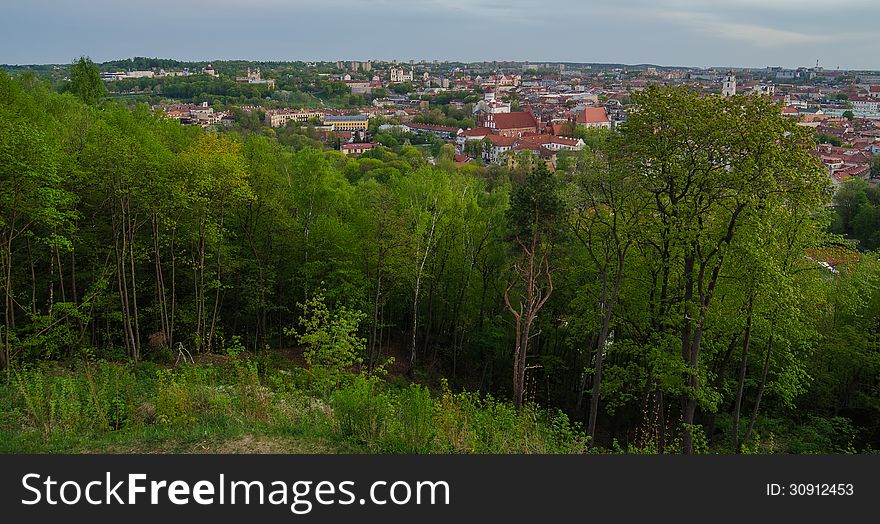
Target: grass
{"points": [[258, 405]]}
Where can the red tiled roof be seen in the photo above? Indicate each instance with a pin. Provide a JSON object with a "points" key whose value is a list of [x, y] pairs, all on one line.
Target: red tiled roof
{"points": [[514, 120], [593, 115], [566, 141], [556, 128], [534, 142], [501, 141], [366, 145], [433, 127], [477, 131]]}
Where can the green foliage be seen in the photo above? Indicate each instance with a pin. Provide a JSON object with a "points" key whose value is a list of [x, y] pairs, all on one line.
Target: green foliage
{"points": [[97, 398], [85, 81], [60, 406], [536, 205], [128, 237], [363, 413], [409, 420], [823, 138], [331, 339], [857, 212]]}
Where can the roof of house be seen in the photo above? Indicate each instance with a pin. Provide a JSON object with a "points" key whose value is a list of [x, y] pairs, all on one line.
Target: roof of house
{"points": [[433, 127], [566, 141], [345, 118], [477, 132], [461, 160], [501, 141], [593, 115], [514, 120], [364, 145]]}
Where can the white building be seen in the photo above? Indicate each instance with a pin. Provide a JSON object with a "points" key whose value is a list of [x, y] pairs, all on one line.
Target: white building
{"points": [[399, 75], [490, 104], [865, 104], [729, 87], [254, 77], [765, 89]]}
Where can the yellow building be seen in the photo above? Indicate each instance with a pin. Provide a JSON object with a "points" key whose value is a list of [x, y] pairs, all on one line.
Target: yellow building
{"points": [[350, 123], [280, 117]]}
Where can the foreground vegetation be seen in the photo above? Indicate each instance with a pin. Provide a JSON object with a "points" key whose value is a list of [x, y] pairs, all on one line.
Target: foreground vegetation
{"points": [[673, 288], [258, 404]]}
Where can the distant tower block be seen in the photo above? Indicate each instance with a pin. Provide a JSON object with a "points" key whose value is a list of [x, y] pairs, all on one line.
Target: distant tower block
{"points": [[729, 88]]}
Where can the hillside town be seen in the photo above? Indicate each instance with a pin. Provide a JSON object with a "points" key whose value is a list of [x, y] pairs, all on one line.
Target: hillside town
{"points": [[489, 111]]}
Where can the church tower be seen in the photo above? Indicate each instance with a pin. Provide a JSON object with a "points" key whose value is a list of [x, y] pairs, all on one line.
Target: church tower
{"points": [[729, 88]]}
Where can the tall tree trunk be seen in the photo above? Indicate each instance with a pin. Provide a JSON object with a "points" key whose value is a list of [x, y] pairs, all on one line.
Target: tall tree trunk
{"points": [[689, 397], [719, 369], [760, 393], [435, 214], [742, 377], [7, 302], [161, 293], [377, 297], [173, 286], [608, 310], [526, 311], [32, 265], [585, 377], [136, 326]]}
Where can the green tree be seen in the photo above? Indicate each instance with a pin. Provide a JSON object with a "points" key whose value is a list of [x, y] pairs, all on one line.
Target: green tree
{"points": [[33, 200], [85, 81], [606, 204], [535, 218], [331, 339], [216, 182], [712, 164]]}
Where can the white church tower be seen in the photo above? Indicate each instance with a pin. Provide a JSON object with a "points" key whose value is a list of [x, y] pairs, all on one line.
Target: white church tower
{"points": [[729, 88]]}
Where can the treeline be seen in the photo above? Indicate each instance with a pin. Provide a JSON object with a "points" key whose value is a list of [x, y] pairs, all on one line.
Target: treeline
{"points": [[676, 288], [195, 88], [857, 216]]}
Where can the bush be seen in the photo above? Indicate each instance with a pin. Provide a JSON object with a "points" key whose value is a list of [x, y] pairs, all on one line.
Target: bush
{"points": [[98, 397], [822, 435], [60, 405], [413, 429], [362, 413], [331, 339]]}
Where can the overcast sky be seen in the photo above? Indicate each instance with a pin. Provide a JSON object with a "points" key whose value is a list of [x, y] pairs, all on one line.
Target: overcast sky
{"points": [[753, 33]]}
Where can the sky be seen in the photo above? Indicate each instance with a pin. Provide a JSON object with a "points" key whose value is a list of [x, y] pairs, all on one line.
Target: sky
{"points": [[734, 33]]}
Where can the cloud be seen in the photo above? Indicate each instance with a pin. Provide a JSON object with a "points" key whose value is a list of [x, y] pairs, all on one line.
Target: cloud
{"points": [[683, 32], [750, 33]]}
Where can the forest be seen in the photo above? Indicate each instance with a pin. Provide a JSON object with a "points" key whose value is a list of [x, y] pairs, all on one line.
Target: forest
{"points": [[685, 285]]}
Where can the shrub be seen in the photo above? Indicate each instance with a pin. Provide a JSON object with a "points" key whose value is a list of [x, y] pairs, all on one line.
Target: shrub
{"points": [[98, 397], [333, 346], [253, 398], [822, 435], [362, 412], [413, 430]]}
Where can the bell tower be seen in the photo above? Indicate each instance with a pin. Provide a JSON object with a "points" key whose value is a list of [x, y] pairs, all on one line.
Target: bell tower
{"points": [[729, 87]]}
